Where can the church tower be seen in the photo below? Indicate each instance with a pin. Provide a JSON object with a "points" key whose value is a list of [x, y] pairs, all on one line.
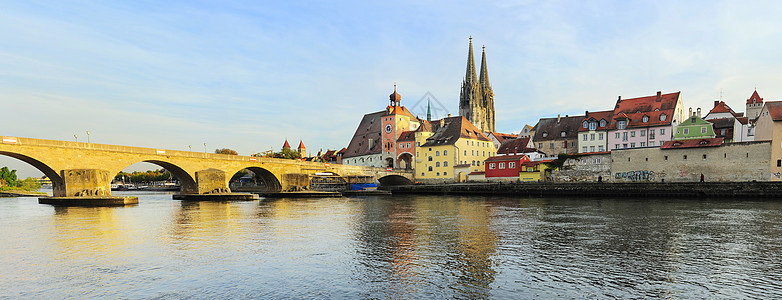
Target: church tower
{"points": [[476, 101]]}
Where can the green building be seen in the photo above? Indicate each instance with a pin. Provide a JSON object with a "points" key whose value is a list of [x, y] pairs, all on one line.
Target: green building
{"points": [[694, 128]]}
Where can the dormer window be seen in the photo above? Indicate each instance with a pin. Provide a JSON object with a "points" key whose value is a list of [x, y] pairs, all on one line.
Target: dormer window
{"points": [[645, 119], [621, 124], [585, 124], [592, 125], [602, 123], [562, 134], [545, 134], [662, 117]]}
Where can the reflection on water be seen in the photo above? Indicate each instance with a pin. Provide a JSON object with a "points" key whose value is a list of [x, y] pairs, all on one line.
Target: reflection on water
{"points": [[393, 247]]}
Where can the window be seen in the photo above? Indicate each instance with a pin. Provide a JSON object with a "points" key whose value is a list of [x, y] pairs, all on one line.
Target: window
{"points": [[602, 123], [430, 168], [592, 125], [624, 136], [584, 149], [686, 131], [685, 157], [643, 144], [430, 158], [473, 162], [622, 124], [438, 173], [418, 144], [779, 162], [437, 164], [645, 119], [572, 144], [445, 164], [563, 134], [540, 145], [585, 137], [693, 120], [545, 134], [666, 157], [600, 136], [472, 152], [585, 124], [624, 145], [616, 146], [703, 129], [663, 117], [592, 137], [704, 157], [651, 143], [502, 165], [445, 173], [564, 144], [600, 148], [511, 165], [632, 133], [591, 148], [551, 145], [491, 166], [437, 153], [422, 173], [662, 131], [445, 152], [643, 132], [632, 145], [616, 135], [465, 152]]}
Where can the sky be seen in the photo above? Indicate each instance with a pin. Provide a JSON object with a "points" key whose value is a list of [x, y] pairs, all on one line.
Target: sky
{"points": [[247, 75]]}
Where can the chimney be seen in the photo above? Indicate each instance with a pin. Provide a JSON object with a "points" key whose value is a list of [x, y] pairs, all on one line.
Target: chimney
{"points": [[690, 114], [449, 115], [619, 99], [716, 102], [699, 112], [659, 96], [586, 113], [442, 122], [558, 117]]}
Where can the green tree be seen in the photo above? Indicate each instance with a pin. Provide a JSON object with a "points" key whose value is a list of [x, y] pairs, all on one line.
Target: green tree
{"points": [[9, 176], [226, 151], [29, 184], [287, 154]]}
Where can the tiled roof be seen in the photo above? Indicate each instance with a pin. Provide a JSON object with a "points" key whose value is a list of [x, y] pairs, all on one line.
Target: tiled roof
{"points": [[518, 145], [535, 163], [775, 110], [286, 145], [399, 110], [506, 157], [553, 129], [721, 107], [594, 153], [369, 128], [301, 145], [755, 98], [722, 122], [452, 130], [651, 106], [693, 143], [425, 126], [596, 117], [743, 120], [406, 136], [501, 137]]}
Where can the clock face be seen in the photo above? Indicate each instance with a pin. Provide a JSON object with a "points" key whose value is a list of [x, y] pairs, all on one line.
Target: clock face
{"points": [[388, 128]]}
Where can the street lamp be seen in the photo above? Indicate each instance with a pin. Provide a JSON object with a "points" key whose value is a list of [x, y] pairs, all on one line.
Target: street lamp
{"points": [[191, 147], [88, 136], [76, 137], [204, 147]]}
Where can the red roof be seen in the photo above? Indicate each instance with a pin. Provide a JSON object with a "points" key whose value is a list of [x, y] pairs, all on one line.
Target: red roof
{"points": [[507, 157], [651, 106], [721, 107], [518, 145], [693, 143], [535, 163], [743, 120], [501, 137], [594, 153], [775, 110], [755, 98], [596, 117], [286, 145], [301, 145], [406, 136], [399, 110]]}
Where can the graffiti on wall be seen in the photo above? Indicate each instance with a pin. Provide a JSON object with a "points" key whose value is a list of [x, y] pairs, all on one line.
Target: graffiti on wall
{"points": [[635, 175], [776, 175]]}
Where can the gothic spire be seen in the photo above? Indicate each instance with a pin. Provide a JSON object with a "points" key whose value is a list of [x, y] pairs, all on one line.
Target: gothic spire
{"points": [[428, 110], [470, 76], [484, 80]]}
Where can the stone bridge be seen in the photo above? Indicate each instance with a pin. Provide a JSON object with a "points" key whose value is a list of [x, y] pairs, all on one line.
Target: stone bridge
{"points": [[79, 169]]}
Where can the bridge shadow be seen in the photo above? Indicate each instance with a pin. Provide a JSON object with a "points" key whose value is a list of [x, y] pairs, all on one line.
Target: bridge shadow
{"points": [[255, 179], [392, 180]]}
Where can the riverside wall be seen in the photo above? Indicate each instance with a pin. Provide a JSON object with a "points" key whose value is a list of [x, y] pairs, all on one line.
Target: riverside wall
{"points": [[750, 190]]}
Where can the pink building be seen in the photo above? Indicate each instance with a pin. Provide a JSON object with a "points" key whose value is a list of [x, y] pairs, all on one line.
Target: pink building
{"points": [[645, 121]]}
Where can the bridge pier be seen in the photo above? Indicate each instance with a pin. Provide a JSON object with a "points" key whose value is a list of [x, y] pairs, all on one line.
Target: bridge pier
{"points": [[212, 185], [85, 187]]}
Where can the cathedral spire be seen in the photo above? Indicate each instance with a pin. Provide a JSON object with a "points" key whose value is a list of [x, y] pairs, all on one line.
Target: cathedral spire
{"points": [[428, 110], [484, 80], [470, 76]]}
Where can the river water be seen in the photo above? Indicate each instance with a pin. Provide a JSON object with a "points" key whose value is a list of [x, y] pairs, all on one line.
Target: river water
{"points": [[401, 247]]}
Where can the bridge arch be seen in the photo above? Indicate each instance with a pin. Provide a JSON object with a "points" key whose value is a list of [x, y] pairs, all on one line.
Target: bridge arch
{"points": [[394, 180], [270, 181], [187, 182], [57, 181]]}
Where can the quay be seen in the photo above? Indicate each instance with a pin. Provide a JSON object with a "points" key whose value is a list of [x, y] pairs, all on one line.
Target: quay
{"points": [[750, 190]]}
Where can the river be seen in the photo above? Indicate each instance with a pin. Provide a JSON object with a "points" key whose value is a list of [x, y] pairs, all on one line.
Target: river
{"points": [[403, 247]]}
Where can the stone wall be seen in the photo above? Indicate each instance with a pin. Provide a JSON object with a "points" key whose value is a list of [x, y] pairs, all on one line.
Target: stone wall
{"points": [[585, 168], [740, 162]]}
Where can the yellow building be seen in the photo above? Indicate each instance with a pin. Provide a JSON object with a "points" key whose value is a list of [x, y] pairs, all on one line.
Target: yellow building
{"points": [[454, 141], [534, 171]]}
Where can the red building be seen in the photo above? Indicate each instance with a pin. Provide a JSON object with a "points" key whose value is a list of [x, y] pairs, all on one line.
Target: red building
{"points": [[507, 166]]}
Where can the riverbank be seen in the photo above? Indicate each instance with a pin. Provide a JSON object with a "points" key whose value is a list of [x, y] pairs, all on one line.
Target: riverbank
{"points": [[593, 189], [19, 193]]}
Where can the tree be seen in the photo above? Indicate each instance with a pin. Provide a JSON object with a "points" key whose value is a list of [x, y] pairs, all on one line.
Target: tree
{"points": [[9, 176], [287, 154], [226, 151], [29, 184]]}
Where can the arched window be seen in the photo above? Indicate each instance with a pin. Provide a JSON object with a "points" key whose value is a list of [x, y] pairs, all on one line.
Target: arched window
{"points": [[430, 158], [437, 153], [445, 152], [662, 117], [562, 134], [437, 164], [592, 125], [645, 119], [445, 164], [545, 134], [585, 124], [430, 168], [602, 123]]}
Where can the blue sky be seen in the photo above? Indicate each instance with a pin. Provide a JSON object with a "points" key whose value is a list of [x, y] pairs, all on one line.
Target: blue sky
{"points": [[248, 74]]}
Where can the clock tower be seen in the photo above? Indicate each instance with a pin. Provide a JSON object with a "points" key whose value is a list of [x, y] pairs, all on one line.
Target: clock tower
{"points": [[394, 122]]}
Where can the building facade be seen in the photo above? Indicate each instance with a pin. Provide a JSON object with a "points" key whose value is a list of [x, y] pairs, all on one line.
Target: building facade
{"points": [[589, 167], [557, 135], [593, 134], [728, 124], [768, 127], [645, 121], [476, 100], [694, 128], [454, 143]]}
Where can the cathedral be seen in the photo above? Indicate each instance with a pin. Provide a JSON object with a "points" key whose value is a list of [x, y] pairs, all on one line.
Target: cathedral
{"points": [[476, 101]]}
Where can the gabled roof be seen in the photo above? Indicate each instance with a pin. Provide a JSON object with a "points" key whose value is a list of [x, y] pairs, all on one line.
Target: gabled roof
{"points": [[286, 145], [399, 110], [452, 130], [693, 143], [743, 120], [301, 145], [507, 157], [501, 137], [596, 117], [722, 123], [369, 128], [755, 98], [651, 106], [721, 107], [425, 126], [518, 145], [775, 110], [553, 129], [406, 136]]}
